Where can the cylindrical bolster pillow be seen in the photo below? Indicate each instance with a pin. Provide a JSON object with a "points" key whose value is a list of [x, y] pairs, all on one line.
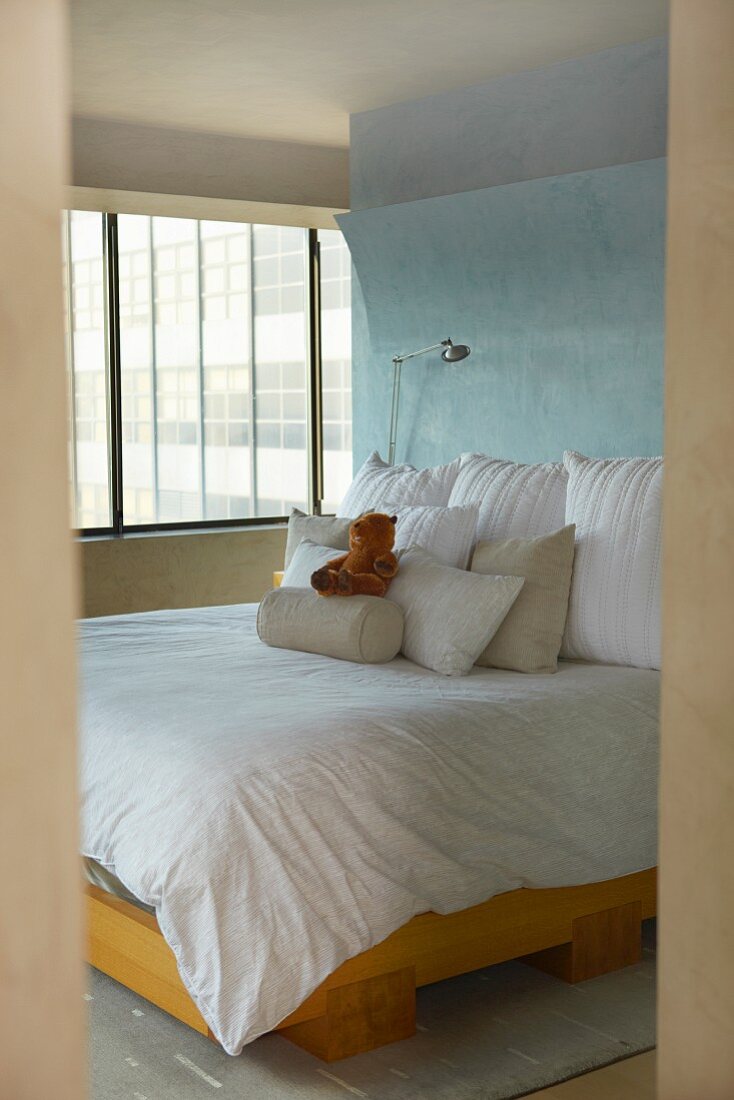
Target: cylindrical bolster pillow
{"points": [[366, 629]]}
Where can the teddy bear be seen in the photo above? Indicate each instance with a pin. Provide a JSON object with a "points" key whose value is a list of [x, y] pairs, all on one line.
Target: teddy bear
{"points": [[370, 564]]}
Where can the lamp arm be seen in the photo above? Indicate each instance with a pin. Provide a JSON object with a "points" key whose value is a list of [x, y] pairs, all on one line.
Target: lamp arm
{"points": [[397, 362], [423, 351]]}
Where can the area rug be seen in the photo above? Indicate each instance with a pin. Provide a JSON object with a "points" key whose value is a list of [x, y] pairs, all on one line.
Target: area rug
{"points": [[496, 1034]]}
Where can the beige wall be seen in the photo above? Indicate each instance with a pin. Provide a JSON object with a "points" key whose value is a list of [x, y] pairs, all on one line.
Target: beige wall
{"points": [[133, 157], [148, 572], [118, 201], [41, 974], [696, 1004]]}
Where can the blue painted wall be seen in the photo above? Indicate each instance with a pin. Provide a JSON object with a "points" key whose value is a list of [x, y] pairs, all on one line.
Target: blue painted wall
{"points": [[606, 108], [557, 285], [555, 282]]}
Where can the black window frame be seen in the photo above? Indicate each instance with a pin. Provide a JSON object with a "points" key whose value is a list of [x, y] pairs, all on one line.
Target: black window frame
{"points": [[113, 368]]}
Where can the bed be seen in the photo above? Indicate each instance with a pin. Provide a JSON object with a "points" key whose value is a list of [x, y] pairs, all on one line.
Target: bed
{"points": [[313, 838]]}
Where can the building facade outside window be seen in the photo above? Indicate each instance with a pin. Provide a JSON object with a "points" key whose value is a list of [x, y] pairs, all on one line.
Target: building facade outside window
{"points": [[210, 342], [87, 373], [336, 358]]}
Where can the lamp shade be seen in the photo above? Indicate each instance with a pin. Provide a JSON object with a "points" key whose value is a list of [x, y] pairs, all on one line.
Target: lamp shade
{"points": [[454, 353], [451, 353]]}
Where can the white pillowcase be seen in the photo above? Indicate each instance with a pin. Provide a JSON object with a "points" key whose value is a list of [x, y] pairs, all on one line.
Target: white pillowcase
{"points": [[446, 533], [324, 530], [375, 481], [515, 501], [614, 609], [449, 615], [307, 558]]}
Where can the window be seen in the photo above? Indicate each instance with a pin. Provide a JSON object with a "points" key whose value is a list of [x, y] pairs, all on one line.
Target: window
{"points": [[191, 348], [336, 365], [87, 368]]}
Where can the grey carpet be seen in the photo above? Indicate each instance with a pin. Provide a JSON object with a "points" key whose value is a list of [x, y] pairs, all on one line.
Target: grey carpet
{"points": [[491, 1035]]}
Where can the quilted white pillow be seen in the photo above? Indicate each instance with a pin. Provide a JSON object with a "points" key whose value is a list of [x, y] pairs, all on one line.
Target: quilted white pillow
{"points": [[614, 610], [446, 533], [515, 501], [375, 481]]}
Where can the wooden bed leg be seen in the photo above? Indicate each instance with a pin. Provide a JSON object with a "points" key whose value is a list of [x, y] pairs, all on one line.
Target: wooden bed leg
{"points": [[360, 1017], [601, 942]]}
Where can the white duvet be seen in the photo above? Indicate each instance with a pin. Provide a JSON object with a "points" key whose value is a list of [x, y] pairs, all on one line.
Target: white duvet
{"points": [[284, 811]]}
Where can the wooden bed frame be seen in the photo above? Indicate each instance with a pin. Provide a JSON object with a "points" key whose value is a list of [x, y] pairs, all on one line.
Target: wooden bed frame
{"points": [[574, 932]]}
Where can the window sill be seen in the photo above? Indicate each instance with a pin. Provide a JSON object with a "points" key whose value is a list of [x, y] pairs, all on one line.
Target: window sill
{"points": [[186, 532]]}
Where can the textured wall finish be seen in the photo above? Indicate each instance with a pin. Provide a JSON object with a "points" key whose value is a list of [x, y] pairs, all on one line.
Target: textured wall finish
{"points": [[557, 285], [199, 569], [42, 1017], [696, 991], [131, 157], [603, 109]]}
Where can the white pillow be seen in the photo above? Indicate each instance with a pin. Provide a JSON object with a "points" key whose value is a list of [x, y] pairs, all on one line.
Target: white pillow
{"points": [[376, 481], [324, 530], [515, 501], [446, 533], [307, 558], [614, 610], [449, 615]]}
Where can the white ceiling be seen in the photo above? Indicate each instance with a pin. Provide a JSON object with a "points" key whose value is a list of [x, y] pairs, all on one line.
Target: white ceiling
{"points": [[293, 70]]}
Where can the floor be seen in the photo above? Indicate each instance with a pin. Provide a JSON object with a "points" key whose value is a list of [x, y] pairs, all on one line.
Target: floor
{"points": [[507, 1031], [633, 1079]]}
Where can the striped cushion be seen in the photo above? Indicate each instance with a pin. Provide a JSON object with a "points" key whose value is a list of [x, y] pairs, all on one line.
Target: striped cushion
{"points": [[375, 481], [446, 533], [614, 610], [515, 501]]}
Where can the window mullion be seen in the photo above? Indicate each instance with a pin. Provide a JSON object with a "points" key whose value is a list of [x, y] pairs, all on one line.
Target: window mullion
{"points": [[113, 366], [153, 371], [70, 356], [200, 329], [252, 372], [315, 411]]}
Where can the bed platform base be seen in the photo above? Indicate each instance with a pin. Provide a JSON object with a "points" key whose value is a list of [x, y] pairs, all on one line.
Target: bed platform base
{"points": [[575, 933]]}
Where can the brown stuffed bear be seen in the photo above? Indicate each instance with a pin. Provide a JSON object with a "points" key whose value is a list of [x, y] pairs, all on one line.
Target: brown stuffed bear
{"points": [[370, 564]]}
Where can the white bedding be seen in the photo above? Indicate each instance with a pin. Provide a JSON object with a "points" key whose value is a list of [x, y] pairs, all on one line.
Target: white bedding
{"points": [[284, 811]]}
